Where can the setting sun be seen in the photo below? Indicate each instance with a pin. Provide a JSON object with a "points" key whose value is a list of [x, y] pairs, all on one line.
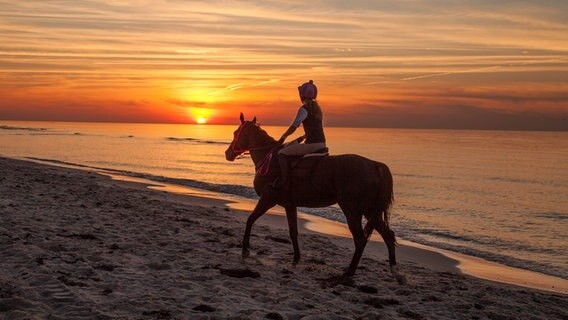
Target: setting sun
{"points": [[201, 115]]}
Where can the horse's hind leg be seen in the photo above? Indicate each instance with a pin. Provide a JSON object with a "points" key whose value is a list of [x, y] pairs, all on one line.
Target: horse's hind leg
{"points": [[264, 203], [390, 241]]}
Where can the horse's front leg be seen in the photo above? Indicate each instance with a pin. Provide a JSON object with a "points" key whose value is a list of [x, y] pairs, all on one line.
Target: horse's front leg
{"points": [[264, 203], [292, 216]]}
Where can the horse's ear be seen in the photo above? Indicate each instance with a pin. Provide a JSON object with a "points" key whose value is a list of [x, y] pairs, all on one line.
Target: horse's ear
{"points": [[254, 120], [242, 118]]}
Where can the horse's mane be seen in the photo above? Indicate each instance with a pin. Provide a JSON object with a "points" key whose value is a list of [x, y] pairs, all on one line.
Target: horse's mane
{"points": [[263, 135]]}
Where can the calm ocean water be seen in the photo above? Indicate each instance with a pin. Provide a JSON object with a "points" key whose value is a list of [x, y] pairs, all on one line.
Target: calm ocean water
{"points": [[499, 195]]}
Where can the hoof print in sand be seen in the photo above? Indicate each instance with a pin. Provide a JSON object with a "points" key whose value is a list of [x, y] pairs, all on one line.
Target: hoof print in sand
{"points": [[159, 266], [81, 236], [105, 267], [204, 308], [335, 281], [273, 316], [367, 289], [316, 261], [71, 283], [276, 239], [381, 302], [414, 315], [158, 314], [223, 231], [240, 273], [286, 271]]}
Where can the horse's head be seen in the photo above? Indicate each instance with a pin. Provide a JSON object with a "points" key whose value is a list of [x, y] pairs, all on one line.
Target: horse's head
{"points": [[241, 138]]}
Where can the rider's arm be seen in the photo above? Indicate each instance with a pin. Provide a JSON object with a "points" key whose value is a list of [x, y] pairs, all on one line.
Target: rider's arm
{"points": [[300, 117], [287, 133]]}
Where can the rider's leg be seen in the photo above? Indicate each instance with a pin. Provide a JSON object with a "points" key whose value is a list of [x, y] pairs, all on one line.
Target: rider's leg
{"points": [[284, 169], [293, 150]]}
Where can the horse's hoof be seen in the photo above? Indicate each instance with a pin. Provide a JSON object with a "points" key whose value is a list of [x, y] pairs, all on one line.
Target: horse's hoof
{"points": [[296, 260], [246, 254], [397, 275]]}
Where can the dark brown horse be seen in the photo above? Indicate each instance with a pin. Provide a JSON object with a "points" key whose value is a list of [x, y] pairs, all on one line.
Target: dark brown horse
{"points": [[360, 186]]}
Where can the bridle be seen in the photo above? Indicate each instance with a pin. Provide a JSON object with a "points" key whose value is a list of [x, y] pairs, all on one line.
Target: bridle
{"points": [[264, 167], [237, 136], [239, 151]]}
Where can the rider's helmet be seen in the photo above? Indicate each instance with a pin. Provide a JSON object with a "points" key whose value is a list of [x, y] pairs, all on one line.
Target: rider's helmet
{"points": [[308, 91]]}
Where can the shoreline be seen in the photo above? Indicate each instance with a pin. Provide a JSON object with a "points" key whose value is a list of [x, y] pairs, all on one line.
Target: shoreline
{"points": [[78, 244], [407, 251]]}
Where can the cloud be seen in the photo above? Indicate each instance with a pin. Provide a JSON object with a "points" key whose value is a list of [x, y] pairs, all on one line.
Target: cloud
{"points": [[452, 116], [251, 52]]}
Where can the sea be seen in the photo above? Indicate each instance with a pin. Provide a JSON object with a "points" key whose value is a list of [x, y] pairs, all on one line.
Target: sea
{"points": [[497, 195]]}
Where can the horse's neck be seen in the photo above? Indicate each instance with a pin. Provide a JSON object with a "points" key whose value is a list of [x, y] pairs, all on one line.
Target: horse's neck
{"points": [[258, 155], [257, 150]]}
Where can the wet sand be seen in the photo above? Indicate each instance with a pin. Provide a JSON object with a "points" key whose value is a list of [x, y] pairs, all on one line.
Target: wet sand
{"points": [[80, 245]]}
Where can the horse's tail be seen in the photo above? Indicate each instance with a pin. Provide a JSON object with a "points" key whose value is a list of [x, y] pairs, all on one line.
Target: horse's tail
{"points": [[386, 198]]}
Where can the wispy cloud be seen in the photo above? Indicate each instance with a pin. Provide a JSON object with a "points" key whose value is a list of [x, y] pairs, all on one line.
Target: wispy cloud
{"points": [[249, 52]]}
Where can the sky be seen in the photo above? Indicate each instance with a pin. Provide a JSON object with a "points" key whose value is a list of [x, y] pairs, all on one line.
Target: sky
{"points": [[406, 64]]}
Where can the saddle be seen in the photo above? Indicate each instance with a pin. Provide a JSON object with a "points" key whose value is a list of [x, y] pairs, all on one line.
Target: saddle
{"points": [[301, 167]]}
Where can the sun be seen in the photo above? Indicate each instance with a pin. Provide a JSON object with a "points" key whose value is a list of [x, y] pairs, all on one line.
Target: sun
{"points": [[200, 115]]}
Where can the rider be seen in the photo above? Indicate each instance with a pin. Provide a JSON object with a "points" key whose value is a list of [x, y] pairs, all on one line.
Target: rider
{"points": [[310, 116]]}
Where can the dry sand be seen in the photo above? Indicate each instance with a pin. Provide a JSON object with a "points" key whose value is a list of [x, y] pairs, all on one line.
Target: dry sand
{"points": [[79, 245]]}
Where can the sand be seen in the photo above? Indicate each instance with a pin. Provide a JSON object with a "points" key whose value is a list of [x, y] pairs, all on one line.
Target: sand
{"points": [[80, 245]]}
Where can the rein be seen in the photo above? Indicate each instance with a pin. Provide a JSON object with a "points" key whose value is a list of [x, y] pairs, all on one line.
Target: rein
{"points": [[264, 167]]}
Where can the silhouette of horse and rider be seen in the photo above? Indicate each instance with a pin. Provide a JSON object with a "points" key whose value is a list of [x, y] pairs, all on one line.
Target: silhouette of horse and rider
{"points": [[305, 175]]}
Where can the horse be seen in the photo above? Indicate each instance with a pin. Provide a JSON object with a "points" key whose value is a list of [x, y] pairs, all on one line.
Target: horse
{"points": [[360, 186]]}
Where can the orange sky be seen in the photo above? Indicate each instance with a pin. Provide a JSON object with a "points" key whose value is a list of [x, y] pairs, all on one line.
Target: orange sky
{"points": [[419, 64]]}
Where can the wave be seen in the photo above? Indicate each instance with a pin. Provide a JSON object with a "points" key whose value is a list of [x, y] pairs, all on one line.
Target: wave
{"points": [[5, 127], [406, 229], [196, 140], [488, 248], [559, 216], [513, 180], [39, 131], [494, 255], [49, 133]]}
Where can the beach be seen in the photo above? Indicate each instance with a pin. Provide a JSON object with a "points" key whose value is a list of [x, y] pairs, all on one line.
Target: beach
{"points": [[79, 245]]}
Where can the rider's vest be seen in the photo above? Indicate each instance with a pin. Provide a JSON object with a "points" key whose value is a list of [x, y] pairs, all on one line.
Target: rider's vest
{"points": [[313, 127]]}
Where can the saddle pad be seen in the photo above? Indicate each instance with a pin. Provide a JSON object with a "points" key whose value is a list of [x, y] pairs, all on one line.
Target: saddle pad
{"points": [[310, 155]]}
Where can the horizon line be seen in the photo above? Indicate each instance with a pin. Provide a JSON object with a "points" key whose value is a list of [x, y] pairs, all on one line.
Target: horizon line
{"points": [[286, 125]]}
